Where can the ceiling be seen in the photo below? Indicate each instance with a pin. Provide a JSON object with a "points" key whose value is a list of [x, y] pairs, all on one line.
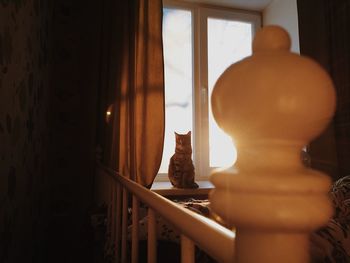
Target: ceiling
{"points": [[257, 5]]}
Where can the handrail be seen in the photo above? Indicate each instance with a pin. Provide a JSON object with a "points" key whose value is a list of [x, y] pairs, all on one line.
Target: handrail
{"points": [[210, 236]]}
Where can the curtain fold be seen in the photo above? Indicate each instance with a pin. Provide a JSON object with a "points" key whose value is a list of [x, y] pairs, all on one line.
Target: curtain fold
{"points": [[324, 36], [137, 128], [338, 21]]}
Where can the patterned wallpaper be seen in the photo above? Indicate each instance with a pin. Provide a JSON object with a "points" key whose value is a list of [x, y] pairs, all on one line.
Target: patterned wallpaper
{"points": [[49, 73], [24, 81]]}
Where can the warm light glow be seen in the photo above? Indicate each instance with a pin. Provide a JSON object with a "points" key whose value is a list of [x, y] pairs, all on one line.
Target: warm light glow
{"points": [[109, 113], [222, 149], [228, 42]]}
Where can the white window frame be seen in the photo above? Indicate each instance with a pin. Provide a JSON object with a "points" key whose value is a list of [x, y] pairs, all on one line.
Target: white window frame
{"points": [[200, 14]]}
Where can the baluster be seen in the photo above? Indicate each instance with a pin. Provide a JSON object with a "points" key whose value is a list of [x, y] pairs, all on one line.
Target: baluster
{"points": [[135, 230], [113, 218], [118, 222], [124, 226], [109, 216], [152, 237], [187, 250], [272, 103]]}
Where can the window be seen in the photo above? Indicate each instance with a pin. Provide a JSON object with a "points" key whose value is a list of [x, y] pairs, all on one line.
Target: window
{"points": [[199, 44]]}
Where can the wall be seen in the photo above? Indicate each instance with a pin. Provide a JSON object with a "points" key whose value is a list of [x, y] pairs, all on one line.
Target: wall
{"points": [[285, 14], [73, 106], [49, 73], [315, 43], [24, 84], [324, 37]]}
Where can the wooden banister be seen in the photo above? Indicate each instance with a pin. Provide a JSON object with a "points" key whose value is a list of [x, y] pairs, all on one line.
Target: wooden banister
{"points": [[220, 245], [152, 237]]}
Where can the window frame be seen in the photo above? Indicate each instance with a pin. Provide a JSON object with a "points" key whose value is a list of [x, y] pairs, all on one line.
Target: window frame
{"points": [[200, 103]]}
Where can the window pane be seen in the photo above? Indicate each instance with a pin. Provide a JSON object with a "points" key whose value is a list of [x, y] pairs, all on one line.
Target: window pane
{"points": [[228, 42], [177, 41]]}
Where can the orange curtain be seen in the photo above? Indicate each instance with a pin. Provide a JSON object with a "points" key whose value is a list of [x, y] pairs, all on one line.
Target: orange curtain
{"points": [[137, 128]]}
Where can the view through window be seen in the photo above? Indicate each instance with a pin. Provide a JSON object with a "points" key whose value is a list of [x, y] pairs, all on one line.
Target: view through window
{"points": [[228, 38], [177, 44]]}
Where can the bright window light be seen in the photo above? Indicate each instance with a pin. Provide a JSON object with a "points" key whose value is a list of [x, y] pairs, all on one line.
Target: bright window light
{"points": [[199, 43], [177, 44], [228, 42]]}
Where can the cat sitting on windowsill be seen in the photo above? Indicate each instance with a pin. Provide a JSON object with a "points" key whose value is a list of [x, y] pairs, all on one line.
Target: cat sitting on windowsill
{"points": [[181, 169]]}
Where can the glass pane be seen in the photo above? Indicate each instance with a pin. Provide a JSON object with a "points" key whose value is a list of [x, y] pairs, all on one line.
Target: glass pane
{"points": [[228, 42], [177, 41]]}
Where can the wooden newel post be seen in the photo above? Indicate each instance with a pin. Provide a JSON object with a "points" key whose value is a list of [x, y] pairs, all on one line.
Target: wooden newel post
{"points": [[272, 103]]}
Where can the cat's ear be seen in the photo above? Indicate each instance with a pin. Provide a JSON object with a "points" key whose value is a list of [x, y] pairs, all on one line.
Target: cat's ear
{"points": [[189, 133], [176, 134]]}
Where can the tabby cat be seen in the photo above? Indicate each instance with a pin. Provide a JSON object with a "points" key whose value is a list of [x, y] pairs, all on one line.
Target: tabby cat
{"points": [[181, 169]]}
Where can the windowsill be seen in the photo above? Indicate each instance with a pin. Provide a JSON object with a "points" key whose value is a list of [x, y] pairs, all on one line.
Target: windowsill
{"points": [[166, 189]]}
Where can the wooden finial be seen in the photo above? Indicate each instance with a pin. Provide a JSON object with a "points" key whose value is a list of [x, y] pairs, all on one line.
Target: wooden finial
{"points": [[272, 103]]}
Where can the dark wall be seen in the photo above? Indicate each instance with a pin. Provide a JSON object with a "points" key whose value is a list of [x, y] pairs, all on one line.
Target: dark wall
{"points": [[49, 73], [324, 35], [314, 42], [24, 90], [73, 105]]}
